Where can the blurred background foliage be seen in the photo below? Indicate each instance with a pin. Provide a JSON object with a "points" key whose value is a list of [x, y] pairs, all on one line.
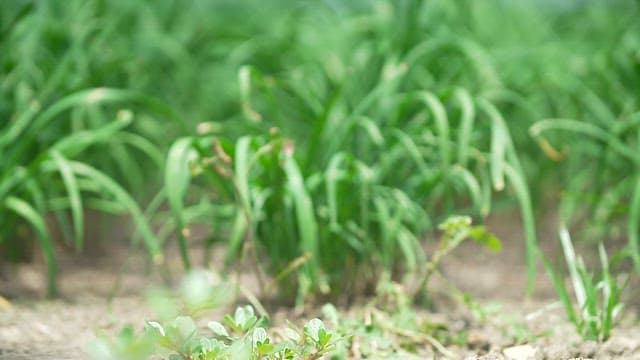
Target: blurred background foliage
{"points": [[343, 130]]}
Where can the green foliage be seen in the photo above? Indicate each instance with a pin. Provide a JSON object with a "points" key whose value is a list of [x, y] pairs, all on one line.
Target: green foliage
{"points": [[244, 337], [396, 329], [73, 135], [384, 135], [604, 198], [367, 210], [455, 230], [45, 168], [329, 136], [597, 299], [353, 172]]}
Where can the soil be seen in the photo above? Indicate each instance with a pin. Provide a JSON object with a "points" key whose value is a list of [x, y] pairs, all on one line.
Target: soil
{"points": [[101, 293]]}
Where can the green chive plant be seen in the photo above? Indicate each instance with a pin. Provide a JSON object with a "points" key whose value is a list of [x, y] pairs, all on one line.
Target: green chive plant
{"points": [[360, 208], [349, 158], [67, 68], [394, 114], [44, 174], [69, 141]]}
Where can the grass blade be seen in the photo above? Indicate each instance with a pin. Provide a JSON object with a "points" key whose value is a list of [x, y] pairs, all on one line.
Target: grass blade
{"points": [[31, 215], [244, 79], [466, 125], [561, 291], [238, 231], [242, 160], [121, 196], [177, 177], [471, 184], [409, 247], [387, 226], [16, 127], [633, 230], [144, 145], [84, 97], [526, 208], [588, 129], [305, 217], [78, 141], [332, 176], [573, 265], [499, 143], [442, 126], [73, 192], [609, 293]]}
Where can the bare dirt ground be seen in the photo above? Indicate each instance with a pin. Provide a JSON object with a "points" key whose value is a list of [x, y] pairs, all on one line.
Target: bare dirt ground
{"points": [[105, 293]]}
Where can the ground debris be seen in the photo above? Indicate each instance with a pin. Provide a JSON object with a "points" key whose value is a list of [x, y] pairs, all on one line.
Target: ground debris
{"points": [[520, 352]]}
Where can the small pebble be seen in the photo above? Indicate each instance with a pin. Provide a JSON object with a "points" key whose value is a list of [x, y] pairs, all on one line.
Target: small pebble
{"points": [[520, 352]]}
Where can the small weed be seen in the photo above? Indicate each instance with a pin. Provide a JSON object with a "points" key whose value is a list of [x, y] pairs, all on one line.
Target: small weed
{"points": [[455, 230], [243, 336], [597, 299]]}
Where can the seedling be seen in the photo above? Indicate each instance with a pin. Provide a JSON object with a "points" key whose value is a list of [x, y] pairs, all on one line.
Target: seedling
{"points": [[455, 230], [598, 305], [244, 337]]}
